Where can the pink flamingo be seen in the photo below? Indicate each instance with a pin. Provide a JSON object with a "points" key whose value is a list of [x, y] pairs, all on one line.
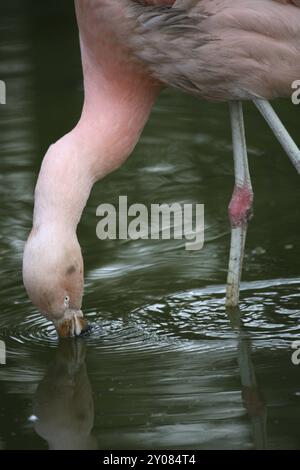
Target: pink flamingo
{"points": [[216, 49]]}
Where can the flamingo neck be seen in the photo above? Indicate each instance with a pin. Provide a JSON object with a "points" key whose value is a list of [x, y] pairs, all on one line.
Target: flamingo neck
{"points": [[118, 100]]}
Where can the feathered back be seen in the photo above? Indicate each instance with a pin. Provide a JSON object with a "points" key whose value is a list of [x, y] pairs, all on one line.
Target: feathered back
{"points": [[218, 49]]}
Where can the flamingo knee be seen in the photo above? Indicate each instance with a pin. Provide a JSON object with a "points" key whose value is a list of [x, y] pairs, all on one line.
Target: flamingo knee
{"points": [[240, 207]]}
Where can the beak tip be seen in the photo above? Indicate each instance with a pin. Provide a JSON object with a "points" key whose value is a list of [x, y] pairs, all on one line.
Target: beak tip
{"points": [[86, 329], [71, 327]]}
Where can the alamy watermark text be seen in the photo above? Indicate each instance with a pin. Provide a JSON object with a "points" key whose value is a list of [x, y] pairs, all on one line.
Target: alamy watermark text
{"points": [[2, 353], [296, 353], [160, 222], [296, 93], [2, 92]]}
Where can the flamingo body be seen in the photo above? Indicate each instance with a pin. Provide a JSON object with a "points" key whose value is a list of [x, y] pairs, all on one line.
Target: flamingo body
{"points": [[215, 49]]}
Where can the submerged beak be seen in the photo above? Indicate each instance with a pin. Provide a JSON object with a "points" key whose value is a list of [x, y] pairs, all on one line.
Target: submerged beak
{"points": [[72, 324]]}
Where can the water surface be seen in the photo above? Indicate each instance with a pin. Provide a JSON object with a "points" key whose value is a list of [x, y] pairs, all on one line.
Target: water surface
{"points": [[164, 365]]}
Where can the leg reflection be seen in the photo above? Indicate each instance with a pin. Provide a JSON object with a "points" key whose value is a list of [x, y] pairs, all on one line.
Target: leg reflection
{"points": [[252, 397]]}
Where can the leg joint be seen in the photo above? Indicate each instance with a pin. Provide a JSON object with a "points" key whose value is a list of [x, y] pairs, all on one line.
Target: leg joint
{"points": [[240, 207]]}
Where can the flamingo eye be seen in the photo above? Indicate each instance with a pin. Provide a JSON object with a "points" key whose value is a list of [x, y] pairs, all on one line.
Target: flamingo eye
{"points": [[67, 300]]}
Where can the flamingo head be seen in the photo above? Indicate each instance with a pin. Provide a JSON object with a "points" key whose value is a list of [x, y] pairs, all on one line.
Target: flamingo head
{"points": [[53, 278]]}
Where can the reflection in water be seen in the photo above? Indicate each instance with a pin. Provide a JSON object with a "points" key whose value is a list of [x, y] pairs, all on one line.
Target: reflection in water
{"points": [[253, 400], [251, 394], [63, 402], [162, 357]]}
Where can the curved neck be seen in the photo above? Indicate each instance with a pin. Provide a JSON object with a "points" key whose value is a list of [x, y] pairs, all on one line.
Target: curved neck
{"points": [[118, 100]]}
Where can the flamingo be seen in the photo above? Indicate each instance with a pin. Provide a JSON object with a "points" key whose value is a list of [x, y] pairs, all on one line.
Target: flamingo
{"points": [[220, 50]]}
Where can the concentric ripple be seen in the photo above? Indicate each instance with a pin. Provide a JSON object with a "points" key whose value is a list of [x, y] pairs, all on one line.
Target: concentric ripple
{"points": [[268, 311], [34, 331]]}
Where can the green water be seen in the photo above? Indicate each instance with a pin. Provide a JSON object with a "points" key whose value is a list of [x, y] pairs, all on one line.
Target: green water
{"points": [[164, 366]]}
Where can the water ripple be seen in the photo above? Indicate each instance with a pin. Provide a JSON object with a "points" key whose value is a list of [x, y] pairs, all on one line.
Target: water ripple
{"points": [[268, 311]]}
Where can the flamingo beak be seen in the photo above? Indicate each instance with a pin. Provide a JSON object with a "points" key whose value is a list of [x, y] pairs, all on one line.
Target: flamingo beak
{"points": [[72, 324]]}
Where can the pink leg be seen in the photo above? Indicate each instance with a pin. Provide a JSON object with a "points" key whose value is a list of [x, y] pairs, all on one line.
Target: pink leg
{"points": [[240, 205]]}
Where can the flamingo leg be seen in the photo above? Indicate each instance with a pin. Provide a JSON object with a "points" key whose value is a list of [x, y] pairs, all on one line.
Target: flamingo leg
{"points": [[240, 204], [279, 131]]}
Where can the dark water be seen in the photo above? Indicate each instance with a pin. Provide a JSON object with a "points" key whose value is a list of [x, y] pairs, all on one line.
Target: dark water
{"points": [[164, 366]]}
